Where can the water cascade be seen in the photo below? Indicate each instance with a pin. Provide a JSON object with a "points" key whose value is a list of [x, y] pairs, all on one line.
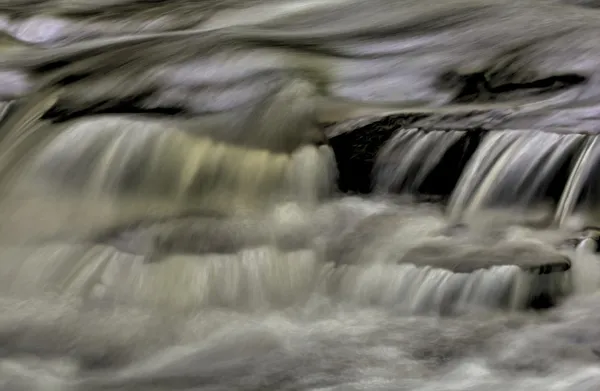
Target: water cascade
{"points": [[517, 169], [407, 160], [186, 213], [170, 216], [513, 168]]}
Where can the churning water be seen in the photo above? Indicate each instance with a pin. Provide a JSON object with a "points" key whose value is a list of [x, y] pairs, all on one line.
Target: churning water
{"points": [[171, 220]]}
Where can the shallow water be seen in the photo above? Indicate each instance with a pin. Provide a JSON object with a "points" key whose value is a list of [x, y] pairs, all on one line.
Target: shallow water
{"points": [[170, 219]]}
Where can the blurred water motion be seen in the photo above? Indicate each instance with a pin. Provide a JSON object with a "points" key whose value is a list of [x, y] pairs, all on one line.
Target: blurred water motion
{"points": [[172, 218]]}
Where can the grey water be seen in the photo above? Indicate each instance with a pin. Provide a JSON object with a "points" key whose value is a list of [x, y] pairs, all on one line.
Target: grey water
{"points": [[171, 218]]}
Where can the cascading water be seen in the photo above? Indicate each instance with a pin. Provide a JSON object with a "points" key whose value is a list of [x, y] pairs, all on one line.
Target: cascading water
{"points": [[518, 169], [406, 161], [512, 168], [170, 218]]}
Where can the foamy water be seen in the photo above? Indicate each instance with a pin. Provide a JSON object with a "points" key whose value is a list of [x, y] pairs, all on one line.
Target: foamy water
{"points": [[282, 315], [170, 218]]}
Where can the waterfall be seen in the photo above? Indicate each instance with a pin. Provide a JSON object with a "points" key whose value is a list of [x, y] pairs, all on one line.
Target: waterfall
{"points": [[512, 168], [581, 178], [128, 169], [299, 195], [133, 211], [189, 168], [406, 160], [519, 170]]}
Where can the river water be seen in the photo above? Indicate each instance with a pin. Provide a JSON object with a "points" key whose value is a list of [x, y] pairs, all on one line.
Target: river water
{"points": [[171, 218]]}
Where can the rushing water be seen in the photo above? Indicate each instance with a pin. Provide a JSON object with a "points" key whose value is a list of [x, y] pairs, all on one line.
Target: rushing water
{"points": [[170, 217]]}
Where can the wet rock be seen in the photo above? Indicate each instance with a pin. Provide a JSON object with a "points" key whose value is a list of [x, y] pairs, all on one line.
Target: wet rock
{"points": [[541, 283], [590, 236], [467, 259]]}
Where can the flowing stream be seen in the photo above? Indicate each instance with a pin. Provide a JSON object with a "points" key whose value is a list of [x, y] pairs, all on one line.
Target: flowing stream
{"points": [[172, 217]]}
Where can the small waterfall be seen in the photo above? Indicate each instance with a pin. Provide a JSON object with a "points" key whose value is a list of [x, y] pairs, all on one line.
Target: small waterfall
{"points": [[101, 181], [112, 179], [516, 169], [121, 157], [408, 159], [512, 169], [406, 261], [252, 278], [263, 278], [581, 178], [416, 289], [77, 180], [350, 251], [170, 217], [118, 162]]}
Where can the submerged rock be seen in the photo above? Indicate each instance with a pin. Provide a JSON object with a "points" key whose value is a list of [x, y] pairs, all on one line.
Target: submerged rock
{"points": [[589, 237], [446, 254], [523, 276]]}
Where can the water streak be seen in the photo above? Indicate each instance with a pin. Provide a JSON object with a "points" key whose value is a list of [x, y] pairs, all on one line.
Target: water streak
{"points": [[170, 219], [406, 160], [580, 178], [512, 169]]}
